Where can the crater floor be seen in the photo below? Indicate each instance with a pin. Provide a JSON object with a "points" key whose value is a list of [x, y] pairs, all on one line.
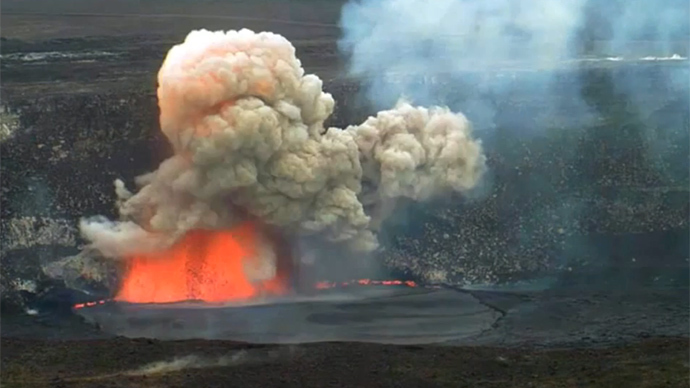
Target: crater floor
{"points": [[627, 327]]}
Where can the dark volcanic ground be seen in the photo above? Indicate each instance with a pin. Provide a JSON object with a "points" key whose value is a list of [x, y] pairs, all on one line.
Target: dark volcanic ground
{"points": [[579, 333], [78, 79], [137, 363], [577, 311], [98, 46]]}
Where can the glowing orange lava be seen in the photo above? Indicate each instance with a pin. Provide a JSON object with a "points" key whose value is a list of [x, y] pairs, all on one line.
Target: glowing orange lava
{"points": [[365, 282], [204, 265], [325, 285]]}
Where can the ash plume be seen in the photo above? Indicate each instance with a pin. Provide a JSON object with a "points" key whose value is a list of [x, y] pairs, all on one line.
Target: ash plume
{"points": [[247, 128]]}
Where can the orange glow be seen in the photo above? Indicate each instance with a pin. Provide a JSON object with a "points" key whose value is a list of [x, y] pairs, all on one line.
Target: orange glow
{"points": [[204, 265], [365, 282], [276, 287], [263, 88]]}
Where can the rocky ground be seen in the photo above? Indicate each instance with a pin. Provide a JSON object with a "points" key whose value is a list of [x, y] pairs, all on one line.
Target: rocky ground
{"points": [[97, 46], [580, 332], [596, 199], [149, 363], [593, 334]]}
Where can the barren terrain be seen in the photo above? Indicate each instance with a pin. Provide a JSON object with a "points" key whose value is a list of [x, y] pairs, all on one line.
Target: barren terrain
{"points": [[119, 46], [122, 362], [78, 82]]}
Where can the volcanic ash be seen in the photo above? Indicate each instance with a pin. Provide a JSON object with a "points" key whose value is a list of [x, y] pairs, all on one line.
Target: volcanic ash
{"points": [[247, 128]]}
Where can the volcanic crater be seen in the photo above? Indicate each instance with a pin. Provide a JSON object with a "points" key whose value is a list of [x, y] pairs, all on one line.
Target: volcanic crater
{"points": [[570, 266]]}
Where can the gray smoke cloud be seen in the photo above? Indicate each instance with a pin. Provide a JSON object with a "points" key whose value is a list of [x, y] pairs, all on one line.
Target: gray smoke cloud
{"points": [[247, 128], [414, 47]]}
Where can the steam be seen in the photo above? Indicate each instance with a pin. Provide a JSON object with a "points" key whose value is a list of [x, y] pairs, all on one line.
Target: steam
{"points": [[663, 26], [247, 128], [536, 78], [412, 47], [394, 43]]}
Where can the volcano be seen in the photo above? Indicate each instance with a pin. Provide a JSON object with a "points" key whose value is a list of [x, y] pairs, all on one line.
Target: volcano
{"points": [[249, 263]]}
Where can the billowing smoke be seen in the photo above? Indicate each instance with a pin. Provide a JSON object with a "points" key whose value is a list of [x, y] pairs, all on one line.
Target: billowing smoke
{"points": [[247, 128]]}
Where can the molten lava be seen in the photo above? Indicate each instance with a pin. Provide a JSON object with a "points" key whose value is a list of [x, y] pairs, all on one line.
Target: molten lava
{"points": [[365, 282], [218, 266], [207, 265], [324, 285]]}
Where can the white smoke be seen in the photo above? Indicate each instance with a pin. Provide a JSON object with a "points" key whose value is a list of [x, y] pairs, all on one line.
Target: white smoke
{"points": [[406, 46], [247, 128]]}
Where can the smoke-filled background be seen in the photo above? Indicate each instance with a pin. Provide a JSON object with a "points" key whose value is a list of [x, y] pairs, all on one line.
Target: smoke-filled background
{"points": [[246, 126], [541, 81], [392, 40], [425, 51]]}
